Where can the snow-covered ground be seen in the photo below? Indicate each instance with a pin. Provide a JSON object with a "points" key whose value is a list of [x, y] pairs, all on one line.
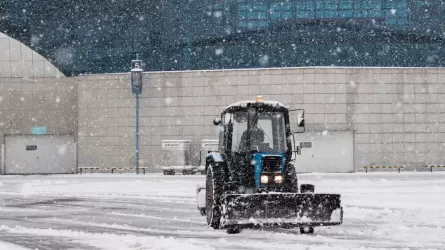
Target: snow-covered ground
{"points": [[126, 211]]}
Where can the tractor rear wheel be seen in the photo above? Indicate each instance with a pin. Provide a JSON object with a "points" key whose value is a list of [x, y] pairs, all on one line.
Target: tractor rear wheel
{"points": [[213, 194]]}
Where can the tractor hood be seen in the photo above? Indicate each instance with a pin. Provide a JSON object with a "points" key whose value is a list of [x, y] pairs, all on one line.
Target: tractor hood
{"points": [[267, 163]]}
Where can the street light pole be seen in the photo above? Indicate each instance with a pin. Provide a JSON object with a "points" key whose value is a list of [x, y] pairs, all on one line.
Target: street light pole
{"points": [[137, 133], [136, 87]]}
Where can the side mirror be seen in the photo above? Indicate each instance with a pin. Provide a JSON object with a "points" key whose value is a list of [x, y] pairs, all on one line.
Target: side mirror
{"points": [[297, 120], [300, 119], [217, 121]]}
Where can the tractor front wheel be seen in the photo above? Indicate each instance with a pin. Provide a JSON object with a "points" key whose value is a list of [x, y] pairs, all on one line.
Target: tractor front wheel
{"points": [[291, 180], [307, 188], [306, 230], [213, 194]]}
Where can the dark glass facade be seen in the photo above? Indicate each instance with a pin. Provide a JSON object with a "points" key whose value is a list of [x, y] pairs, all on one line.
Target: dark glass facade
{"points": [[82, 36]]}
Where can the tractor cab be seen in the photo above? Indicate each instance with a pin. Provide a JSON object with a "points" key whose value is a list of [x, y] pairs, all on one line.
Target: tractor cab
{"points": [[257, 129], [256, 138]]}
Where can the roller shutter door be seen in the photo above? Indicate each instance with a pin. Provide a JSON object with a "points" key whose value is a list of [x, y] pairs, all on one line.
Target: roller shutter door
{"points": [[39, 154]]}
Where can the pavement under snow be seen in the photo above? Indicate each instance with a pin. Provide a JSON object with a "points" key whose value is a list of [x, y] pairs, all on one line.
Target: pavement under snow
{"points": [[128, 211]]}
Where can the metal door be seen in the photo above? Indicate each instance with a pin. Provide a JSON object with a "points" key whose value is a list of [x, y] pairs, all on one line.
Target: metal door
{"points": [[304, 163], [331, 152], [39, 154]]}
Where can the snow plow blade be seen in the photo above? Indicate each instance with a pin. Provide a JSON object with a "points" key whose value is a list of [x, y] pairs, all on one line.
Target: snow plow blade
{"points": [[281, 210]]}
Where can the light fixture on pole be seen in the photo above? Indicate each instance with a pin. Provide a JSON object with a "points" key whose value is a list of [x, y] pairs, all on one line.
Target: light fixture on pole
{"points": [[136, 87]]}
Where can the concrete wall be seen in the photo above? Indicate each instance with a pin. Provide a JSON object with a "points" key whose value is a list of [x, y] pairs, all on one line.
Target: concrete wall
{"points": [[396, 114], [169, 110], [28, 102]]}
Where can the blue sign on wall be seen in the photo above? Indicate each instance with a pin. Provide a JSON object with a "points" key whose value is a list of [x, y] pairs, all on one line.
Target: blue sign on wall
{"points": [[38, 130]]}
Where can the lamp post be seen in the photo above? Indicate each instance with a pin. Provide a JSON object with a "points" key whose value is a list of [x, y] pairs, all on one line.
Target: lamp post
{"points": [[136, 87]]}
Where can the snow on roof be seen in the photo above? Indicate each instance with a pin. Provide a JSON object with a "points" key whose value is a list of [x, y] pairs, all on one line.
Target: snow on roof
{"points": [[244, 104], [175, 141]]}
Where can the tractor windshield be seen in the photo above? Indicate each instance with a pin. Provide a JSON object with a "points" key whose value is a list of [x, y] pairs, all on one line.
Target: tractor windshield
{"points": [[267, 132]]}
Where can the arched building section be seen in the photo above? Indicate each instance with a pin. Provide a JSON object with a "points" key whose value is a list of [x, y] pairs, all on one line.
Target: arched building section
{"points": [[82, 37], [18, 60]]}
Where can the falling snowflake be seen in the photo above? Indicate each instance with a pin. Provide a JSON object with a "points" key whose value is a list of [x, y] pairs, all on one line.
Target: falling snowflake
{"points": [[219, 51], [62, 149], [217, 14], [264, 60]]}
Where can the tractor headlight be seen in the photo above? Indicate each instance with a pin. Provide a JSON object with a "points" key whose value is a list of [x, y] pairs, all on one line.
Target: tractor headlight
{"points": [[264, 179], [278, 179]]}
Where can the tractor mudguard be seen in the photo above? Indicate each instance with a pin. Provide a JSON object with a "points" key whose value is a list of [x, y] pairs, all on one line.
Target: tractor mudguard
{"points": [[215, 159]]}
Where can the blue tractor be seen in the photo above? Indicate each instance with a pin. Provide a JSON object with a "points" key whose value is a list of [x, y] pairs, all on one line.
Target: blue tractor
{"points": [[252, 182]]}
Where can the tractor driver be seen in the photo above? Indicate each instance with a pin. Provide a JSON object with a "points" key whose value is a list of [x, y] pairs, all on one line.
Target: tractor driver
{"points": [[256, 141]]}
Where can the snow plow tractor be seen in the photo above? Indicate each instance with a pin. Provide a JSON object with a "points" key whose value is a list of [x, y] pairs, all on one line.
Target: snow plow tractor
{"points": [[251, 181]]}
